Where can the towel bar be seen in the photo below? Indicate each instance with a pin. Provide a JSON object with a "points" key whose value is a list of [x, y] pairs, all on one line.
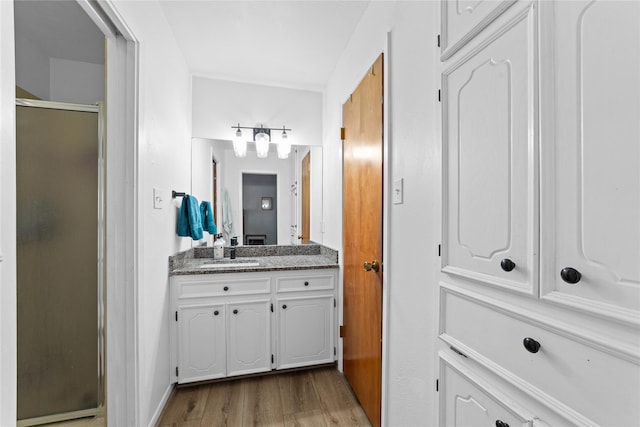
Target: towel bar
{"points": [[175, 194]]}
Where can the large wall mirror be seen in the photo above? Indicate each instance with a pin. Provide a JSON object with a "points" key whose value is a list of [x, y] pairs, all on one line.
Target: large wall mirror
{"points": [[260, 200]]}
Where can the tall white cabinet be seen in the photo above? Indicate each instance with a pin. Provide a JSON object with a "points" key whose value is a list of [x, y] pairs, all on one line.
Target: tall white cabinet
{"points": [[539, 313]]}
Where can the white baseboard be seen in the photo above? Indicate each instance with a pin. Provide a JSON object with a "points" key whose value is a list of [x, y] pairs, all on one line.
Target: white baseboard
{"points": [[163, 402]]}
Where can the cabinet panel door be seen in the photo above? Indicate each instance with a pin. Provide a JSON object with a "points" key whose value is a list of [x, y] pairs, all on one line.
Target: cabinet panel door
{"points": [[591, 155], [305, 331], [201, 353], [466, 400], [249, 337], [462, 19], [489, 152]]}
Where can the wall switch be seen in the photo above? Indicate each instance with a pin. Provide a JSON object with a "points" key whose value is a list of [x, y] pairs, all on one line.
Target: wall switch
{"points": [[397, 191], [158, 199]]}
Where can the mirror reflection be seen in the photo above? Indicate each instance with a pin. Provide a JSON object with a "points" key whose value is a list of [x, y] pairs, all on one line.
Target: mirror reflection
{"points": [[262, 201]]}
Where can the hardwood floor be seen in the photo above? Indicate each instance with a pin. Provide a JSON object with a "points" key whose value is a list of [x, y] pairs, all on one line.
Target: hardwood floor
{"points": [[315, 397]]}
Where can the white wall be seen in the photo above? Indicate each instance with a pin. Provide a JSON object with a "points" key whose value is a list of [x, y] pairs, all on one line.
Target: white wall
{"points": [[414, 154], [220, 104], [32, 67], [164, 147], [76, 82], [8, 367]]}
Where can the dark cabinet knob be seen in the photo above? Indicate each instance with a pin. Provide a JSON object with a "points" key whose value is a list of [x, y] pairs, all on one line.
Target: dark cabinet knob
{"points": [[531, 345], [215, 313], [226, 288], [306, 283], [284, 307], [570, 275], [500, 423], [235, 311], [507, 264]]}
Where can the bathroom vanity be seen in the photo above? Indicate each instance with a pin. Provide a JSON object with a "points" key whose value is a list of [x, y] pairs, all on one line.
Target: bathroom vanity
{"points": [[273, 307]]}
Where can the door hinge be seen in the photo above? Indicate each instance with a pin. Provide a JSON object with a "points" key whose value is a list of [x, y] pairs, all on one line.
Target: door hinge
{"points": [[176, 316], [272, 307], [334, 303], [335, 352], [176, 371], [438, 40], [439, 95], [341, 331], [439, 250], [343, 134], [272, 359], [437, 385]]}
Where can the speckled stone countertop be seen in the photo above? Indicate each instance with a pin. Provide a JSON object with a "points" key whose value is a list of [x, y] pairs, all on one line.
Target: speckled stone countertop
{"points": [[268, 258]]}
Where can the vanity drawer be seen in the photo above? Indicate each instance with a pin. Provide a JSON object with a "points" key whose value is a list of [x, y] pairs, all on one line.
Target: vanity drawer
{"points": [[570, 369], [305, 282], [206, 286]]}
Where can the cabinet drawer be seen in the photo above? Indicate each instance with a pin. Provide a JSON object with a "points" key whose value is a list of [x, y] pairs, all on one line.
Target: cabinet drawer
{"points": [[466, 400], [571, 371], [195, 287], [304, 283]]}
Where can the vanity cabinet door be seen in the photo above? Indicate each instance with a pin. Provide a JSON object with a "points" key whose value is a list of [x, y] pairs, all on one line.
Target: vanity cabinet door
{"points": [[489, 167], [591, 158], [305, 331], [202, 344], [248, 337]]}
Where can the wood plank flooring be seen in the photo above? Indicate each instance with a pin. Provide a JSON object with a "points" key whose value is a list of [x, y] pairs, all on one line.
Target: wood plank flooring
{"points": [[316, 397]]}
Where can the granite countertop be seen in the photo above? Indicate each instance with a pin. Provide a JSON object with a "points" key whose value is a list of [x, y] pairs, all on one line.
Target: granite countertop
{"points": [[255, 258]]}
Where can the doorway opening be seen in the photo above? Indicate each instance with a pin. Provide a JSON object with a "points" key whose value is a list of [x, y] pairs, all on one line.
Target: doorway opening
{"points": [[259, 209]]}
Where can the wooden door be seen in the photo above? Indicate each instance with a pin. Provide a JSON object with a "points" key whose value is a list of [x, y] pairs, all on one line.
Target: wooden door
{"points": [[306, 198], [362, 225]]}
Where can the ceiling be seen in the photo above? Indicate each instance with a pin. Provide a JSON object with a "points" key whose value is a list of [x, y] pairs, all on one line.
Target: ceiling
{"points": [[290, 43], [60, 29], [294, 43]]}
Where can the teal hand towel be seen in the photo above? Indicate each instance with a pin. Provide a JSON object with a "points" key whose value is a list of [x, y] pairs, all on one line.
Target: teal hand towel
{"points": [[189, 220], [208, 221]]}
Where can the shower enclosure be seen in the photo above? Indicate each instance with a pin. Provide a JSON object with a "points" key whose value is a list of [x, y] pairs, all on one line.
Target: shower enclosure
{"points": [[59, 249]]}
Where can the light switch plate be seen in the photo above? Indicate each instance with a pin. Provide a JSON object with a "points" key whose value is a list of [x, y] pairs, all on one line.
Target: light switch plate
{"points": [[158, 199], [397, 191]]}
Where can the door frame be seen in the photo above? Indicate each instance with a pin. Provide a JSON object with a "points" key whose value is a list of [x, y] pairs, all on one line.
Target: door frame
{"points": [[386, 212], [121, 242]]}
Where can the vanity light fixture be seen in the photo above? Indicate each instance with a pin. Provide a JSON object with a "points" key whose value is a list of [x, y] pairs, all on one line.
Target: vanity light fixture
{"points": [[262, 138]]}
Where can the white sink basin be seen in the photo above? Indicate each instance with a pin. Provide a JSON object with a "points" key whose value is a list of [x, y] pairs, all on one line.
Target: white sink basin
{"points": [[231, 264]]}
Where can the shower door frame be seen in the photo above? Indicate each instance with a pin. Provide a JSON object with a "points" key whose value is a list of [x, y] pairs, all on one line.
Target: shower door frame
{"points": [[100, 110]]}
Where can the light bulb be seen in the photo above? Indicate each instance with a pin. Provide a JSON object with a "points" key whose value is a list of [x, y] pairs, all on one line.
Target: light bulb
{"points": [[284, 146], [262, 144], [239, 145]]}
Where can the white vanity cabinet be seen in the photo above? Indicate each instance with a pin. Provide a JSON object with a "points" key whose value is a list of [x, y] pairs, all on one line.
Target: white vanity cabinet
{"points": [[229, 324], [305, 313], [539, 303]]}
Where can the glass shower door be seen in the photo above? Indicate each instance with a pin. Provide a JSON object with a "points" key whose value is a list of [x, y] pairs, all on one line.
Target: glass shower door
{"points": [[58, 262]]}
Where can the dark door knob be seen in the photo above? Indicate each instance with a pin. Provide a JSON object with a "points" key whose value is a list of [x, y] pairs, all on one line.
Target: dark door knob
{"points": [[215, 313], [507, 264], [570, 275], [284, 307], [306, 283], [500, 423], [531, 345], [235, 311], [226, 288]]}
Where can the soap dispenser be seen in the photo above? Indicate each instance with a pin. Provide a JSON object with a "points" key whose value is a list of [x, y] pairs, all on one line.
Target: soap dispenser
{"points": [[218, 247]]}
